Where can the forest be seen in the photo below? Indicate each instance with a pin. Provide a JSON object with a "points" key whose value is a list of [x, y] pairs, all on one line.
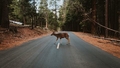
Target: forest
{"points": [[99, 17]]}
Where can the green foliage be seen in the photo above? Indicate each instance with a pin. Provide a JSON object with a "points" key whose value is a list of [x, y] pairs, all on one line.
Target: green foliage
{"points": [[73, 15], [15, 10], [20, 9]]}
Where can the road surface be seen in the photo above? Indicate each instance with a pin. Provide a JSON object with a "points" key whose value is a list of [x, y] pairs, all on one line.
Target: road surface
{"points": [[43, 53]]}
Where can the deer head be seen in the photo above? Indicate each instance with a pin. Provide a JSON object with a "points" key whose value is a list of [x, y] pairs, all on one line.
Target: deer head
{"points": [[53, 33]]}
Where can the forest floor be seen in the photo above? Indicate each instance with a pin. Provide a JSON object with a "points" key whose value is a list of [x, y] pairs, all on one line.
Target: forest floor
{"points": [[9, 39], [106, 45]]}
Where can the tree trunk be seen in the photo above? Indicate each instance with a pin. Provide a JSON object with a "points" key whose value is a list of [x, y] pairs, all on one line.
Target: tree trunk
{"points": [[36, 21], [46, 18], [93, 16], [4, 21], [119, 16], [0, 11], [32, 22], [23, 21], [106, 17], [119, 24]]}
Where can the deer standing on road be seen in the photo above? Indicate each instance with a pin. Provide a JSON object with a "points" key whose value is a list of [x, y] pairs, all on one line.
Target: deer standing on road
{"points": [[61, 35]]}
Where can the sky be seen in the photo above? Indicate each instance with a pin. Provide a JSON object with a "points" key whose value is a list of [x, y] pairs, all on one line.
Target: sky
{"points": [[59, 3]]}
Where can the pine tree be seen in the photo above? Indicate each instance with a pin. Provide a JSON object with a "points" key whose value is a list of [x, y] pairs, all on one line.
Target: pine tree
{"points": [[44, 11], [4, 19]]}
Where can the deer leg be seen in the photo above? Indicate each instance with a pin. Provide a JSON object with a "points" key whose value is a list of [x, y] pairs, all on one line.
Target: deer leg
{"points": [[68, 40], [60, 40], [56, 40]]}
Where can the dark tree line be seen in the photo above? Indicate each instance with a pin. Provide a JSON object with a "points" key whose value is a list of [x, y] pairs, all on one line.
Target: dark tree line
{"points": [[105, 12], [112, 21], [73, 16]]}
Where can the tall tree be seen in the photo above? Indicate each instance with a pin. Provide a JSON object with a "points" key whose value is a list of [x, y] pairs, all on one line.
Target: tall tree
{"points": [[55, 10], [44, 10], [33, 13], [26, 9], [65, 3], [106, 17], [93, 16], [4, 20], [62, 12]]}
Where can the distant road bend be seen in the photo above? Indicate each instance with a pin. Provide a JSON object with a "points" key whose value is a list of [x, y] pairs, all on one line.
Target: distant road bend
{"points": [[43, 53]]}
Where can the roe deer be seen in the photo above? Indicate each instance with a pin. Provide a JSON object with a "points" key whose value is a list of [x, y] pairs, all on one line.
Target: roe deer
{"points": [[61, 35]]}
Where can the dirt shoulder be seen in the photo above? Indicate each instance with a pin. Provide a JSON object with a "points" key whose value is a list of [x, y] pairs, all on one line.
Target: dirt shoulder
{"points": [[10, 40], [101, 43]]}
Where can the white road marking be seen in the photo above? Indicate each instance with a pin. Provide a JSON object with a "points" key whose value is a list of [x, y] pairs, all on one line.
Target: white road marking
{"points": [[58, 45]]}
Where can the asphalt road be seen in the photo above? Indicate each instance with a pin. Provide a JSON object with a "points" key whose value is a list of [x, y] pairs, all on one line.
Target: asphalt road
{"points": [[43, 53]]}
